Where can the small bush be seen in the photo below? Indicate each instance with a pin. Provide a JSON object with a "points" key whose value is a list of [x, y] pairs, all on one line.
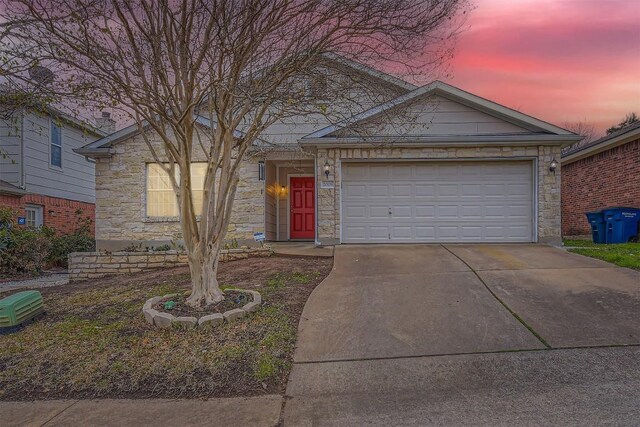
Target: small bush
{"points": [[31, 250], [78, 241]]}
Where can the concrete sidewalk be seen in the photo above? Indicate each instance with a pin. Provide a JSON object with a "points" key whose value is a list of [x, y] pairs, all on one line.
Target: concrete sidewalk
{"points": [[250, 411], [44, 281]]}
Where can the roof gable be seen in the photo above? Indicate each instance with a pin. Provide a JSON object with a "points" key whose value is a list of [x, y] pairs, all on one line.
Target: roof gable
{"points": [[439, 109]]}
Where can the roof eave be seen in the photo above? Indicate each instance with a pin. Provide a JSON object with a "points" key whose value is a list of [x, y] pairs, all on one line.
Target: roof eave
{"points": [[445, 140], [589, 151], [12, 192], [93, 153]]}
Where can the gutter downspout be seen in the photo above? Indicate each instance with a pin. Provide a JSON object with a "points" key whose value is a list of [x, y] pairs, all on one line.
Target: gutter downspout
{"points": [[23, 180]]}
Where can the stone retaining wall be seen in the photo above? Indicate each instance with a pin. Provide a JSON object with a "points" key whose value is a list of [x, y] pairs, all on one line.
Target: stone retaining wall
{"points": [[91, 265]]}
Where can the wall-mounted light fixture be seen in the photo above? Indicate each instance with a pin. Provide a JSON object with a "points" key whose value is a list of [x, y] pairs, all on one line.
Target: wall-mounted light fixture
{"points": [[261, 170], [283, 190], [553, 165], [327, 168]]}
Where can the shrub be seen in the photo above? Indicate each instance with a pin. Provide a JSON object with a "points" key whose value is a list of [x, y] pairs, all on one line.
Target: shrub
{"points": [[78, 241], [31, 250]]}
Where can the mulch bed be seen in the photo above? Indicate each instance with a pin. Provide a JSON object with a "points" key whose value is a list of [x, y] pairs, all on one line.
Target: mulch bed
{"points": [[95, 343], [232, 299]]}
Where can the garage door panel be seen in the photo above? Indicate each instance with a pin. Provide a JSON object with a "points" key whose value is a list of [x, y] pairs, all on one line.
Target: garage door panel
{"points": [[425, 232], [378, 190], [353, 190], [425, 212], [424, 190], [471, 212], [471, 232], [355, 212], [402, 212], [418, 202], [381, 211], [401, 190], [447, 190], [378, 232], [401, 232]]}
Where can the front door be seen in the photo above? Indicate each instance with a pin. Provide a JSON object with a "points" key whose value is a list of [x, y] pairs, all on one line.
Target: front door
{"points": [[302, 216]]}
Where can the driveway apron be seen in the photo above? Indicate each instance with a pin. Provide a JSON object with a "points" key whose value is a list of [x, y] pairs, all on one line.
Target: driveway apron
{"points": [[387, 301]]}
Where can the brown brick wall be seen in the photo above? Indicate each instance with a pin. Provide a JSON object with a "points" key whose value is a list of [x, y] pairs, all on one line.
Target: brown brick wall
{"points": [[610, 178], [59, 214]]}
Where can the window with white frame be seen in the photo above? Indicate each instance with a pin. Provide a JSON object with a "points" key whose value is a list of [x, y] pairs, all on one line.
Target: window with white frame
{"points": [[161, 199], [56, 145], [34, 216]]}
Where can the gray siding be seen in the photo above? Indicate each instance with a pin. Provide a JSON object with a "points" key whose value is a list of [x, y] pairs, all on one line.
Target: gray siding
{"points": [[10, 150], [75, 180], [433, 115]]}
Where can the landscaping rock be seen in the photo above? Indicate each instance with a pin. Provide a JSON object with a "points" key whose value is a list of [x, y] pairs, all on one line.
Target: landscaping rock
{"points": [[186, 322], [235, 314], [163, 320], [149, 314], [151, 302], [256, 297], [250, 307], [210, 320]]}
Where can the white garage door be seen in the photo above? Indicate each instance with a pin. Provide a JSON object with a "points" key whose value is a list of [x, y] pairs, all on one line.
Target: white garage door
{"points": [[437, 202]]}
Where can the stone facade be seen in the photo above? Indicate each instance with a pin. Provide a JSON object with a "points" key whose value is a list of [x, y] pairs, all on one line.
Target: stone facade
{"points": [[548, 183], [91, 265], [606, 179], [121, 200]]}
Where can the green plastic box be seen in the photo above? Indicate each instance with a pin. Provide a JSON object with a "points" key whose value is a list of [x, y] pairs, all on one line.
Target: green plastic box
{"points": [[20, 308]]}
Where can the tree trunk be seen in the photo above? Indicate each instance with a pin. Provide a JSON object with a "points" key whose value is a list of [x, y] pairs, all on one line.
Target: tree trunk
{"points": [[204, 283]]}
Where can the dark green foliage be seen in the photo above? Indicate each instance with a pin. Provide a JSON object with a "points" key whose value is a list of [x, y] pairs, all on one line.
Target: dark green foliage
{"points": [[78, 241], [31, 250], [629, 119]]}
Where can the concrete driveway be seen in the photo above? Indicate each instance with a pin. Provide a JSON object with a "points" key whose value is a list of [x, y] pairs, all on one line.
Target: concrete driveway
{"points": [[413, 313]]}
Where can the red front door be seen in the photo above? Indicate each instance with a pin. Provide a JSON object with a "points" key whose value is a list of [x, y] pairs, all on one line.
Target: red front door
{"points": [[302, 204]]}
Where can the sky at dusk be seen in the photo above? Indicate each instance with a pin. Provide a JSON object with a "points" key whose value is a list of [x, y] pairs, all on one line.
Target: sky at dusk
{"points": [[557, 60]]}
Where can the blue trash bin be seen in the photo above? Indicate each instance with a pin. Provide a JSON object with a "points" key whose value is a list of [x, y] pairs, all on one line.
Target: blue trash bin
{"points": [[596, 219], [621, 224]]}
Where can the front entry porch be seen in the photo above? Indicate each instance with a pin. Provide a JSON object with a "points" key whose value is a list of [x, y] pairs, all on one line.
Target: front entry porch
{"points": [[290, 195]]}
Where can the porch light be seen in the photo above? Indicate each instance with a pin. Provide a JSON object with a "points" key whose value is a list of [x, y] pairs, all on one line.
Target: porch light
{"points": [[327, 168], [261, 170], [553, 165]]}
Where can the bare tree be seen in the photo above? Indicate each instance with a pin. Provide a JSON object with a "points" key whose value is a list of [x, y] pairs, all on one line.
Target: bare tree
{"points": [[238, 64], [583, 128]]}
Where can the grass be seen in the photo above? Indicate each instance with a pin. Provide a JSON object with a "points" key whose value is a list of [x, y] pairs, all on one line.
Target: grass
{"points": [[622, 254], [94, 341]]}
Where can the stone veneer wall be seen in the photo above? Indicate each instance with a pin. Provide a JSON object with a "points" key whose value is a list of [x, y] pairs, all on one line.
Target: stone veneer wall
{"points": [[91, 265], [121, 198], [548, 182]]}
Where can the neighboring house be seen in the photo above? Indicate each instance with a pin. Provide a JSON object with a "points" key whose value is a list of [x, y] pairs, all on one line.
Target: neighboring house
{"points": [[603, 173], [41, 177], [430, 164]]}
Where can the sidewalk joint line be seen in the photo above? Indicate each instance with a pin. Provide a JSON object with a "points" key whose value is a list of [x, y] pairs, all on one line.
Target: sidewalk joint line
{"points": [[62, 411], [513, 313], [425, 356]]}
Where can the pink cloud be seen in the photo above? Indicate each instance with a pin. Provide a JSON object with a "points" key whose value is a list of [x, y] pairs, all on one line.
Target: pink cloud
{"points": [[559, 60]]}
